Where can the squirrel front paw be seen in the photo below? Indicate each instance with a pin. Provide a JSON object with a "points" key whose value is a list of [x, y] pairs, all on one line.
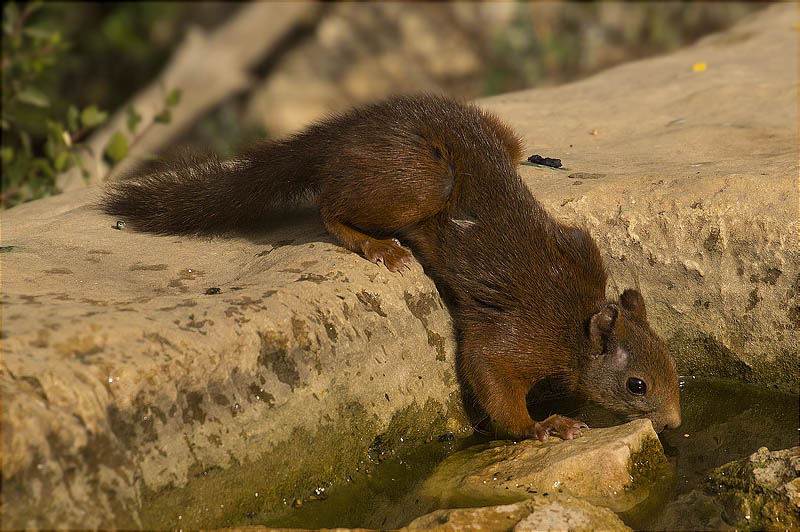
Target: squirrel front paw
{"points": [[561, 426], [393, 255]]}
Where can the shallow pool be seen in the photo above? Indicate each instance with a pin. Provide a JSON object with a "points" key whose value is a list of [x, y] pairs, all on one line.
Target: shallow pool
{"points": [[722, 422]]}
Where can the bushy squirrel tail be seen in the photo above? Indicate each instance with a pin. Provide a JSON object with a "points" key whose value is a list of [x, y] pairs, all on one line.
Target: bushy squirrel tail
{"points": [[195, 194]]}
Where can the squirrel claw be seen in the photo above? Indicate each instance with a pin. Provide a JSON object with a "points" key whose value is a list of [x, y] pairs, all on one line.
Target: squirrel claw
{"points": [[539, 432], [560, 426], [393, 255]]}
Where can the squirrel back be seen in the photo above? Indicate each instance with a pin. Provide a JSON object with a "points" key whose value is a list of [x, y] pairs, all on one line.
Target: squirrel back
{"points": [[526, 293]]}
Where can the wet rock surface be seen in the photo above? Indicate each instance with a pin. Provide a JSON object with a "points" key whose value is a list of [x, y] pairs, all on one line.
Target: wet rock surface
{"points": [[557, 512], [128, 377], [602, 465], [760, 492]]}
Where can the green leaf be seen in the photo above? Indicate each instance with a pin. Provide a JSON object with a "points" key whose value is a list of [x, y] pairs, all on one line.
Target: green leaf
{"points": [[92, 116], [7, 154], [164, 117], [133, 119], [61, 161], [173, 98], [33, 96], [72, 118], [55, 128], [117, 147]]}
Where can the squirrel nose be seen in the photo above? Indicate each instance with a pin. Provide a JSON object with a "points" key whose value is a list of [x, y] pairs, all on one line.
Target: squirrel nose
{"points": [[673, 419]]}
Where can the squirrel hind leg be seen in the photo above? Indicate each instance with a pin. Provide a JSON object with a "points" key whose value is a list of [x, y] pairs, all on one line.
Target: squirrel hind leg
{"points": [[389, 251]]}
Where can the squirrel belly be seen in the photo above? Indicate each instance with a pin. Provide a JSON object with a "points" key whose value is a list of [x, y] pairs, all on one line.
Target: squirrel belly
{"points": [[526, 293]]}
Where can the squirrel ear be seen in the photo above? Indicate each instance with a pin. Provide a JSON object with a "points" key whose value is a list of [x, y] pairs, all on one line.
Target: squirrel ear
{"points": [[618, 358], [602, 323], [633, 301]]}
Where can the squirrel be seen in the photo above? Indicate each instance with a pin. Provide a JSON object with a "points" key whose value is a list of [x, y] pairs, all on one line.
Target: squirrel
{"points": [[527, 294]]}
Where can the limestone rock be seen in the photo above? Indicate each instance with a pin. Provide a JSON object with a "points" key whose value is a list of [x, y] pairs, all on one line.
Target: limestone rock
{"points": [[601, 465], [134, 363], [698, 205], [558, 512], [759, 492]]}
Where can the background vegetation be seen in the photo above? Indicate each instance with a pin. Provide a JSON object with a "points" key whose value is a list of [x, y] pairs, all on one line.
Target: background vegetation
{"points": [[65, 66]]}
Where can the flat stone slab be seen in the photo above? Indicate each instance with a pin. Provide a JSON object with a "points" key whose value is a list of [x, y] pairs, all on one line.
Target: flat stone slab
{"points": [[690, 187], [558, 512], [136, 366], [602, 466], [123, 374]]}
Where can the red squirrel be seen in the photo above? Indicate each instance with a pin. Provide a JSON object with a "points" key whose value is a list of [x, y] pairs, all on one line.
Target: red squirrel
{"points": [[527, 294]]}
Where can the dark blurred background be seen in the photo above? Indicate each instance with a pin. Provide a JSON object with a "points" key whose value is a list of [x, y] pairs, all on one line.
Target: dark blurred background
{"points": [[298, 62]]}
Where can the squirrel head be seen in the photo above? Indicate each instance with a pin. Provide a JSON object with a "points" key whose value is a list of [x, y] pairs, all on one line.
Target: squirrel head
{"points": [[627, 368]]}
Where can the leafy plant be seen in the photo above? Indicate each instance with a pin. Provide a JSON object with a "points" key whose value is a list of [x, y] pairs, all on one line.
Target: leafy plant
{"points": [[28, 52], [119, 144], [42, 135]]}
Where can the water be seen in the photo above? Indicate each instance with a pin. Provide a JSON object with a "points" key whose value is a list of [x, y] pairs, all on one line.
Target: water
{"points": [[722, 422], [384, 497]]}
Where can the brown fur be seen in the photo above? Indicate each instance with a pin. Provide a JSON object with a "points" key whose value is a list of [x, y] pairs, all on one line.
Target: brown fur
{"points": [[526, 293]]}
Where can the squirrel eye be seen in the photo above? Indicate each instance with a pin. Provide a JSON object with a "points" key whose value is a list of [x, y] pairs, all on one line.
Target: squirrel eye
{"points": [[636, 386]]}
